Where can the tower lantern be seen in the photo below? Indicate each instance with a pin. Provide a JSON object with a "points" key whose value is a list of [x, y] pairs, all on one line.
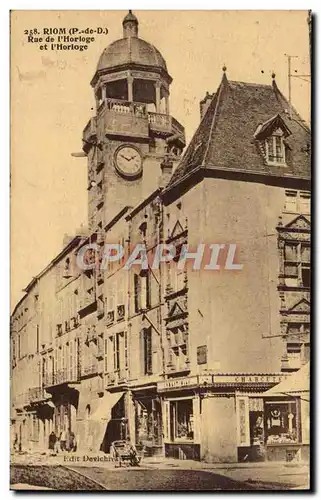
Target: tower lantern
{"points": [[133, 70], [130, 25], [133, 128]]}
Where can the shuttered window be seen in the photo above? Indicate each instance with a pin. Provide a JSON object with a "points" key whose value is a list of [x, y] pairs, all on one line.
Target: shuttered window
{"points": [[137, 292], [106, 355], [116, 352], [297, 262], [125, 350], [71, 360], [147, 351]]}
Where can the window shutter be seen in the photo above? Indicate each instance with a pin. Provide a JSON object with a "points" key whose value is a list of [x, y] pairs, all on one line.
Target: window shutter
{"points": [[148, 291], [115, 352], [71, 360], [137, 292], [291, 252], [125, 350], [242, 418], [166, 413], [63, 361], [37, 339], [305, 253], [106, 355], [305, 203], [149, 351]]}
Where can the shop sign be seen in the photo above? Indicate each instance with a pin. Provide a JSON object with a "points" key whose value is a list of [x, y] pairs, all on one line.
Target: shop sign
{"points": [[248, 379], [210, 380], [178, 383]]}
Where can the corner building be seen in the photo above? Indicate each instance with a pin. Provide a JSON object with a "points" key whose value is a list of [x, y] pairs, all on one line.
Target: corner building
{"points": [[178, 360]]}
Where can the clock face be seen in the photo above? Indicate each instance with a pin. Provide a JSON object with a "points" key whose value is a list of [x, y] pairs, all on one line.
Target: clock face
{"points": [[128, 161]]}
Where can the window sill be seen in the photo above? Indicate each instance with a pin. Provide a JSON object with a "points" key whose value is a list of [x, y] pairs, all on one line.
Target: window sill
{"points": [[275, 164], [282, 444], [181, 441], [296, 212]]}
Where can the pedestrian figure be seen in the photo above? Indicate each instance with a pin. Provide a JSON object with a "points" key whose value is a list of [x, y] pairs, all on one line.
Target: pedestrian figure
{"points": [[72, 441], [52, 440], [63, 439], [15, 442], [57, 444]]}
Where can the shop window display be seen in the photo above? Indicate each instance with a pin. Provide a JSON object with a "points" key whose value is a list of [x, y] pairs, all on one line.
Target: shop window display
{"points": [[281, 422], [256, 428], [182, 420]]}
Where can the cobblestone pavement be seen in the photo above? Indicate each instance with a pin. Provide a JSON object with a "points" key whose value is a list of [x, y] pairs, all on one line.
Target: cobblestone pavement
{"points": [[268, 475]]}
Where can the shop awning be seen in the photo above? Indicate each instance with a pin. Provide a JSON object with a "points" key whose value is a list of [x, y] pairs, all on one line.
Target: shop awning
{"points": [[106, 404], [296, 384]]}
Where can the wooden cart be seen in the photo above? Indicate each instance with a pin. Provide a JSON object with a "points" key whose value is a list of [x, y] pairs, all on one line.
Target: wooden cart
{"points": [[124, 452]]}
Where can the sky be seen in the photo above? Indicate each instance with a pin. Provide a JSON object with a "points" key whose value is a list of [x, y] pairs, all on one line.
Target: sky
{"points": [[51, 102]]}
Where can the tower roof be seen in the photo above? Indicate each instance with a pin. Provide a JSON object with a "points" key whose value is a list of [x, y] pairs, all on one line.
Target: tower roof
{"points": [[130, 49], [225, 139], [130, 17]]}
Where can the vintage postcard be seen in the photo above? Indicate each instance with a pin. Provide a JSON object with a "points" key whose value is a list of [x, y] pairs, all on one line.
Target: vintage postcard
{"points": [[160, 250]]}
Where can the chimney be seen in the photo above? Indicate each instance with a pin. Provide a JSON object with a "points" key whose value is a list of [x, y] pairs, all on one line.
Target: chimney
{"points": [[204, 103]]}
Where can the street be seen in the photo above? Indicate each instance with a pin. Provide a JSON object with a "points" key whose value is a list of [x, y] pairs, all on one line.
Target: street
{"points": [[90, 478]]}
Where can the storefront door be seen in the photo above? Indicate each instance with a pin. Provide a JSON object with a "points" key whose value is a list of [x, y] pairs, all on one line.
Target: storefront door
{"points": [[148, 422]]}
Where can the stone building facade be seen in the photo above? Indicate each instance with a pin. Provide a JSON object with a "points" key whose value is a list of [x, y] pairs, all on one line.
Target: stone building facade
{"points": [[176, 359]]}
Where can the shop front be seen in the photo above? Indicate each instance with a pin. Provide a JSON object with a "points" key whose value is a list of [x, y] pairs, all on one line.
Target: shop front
{"points": [[182, 439], [216, 418], [286, 409], [148, 422], [181, 417]]}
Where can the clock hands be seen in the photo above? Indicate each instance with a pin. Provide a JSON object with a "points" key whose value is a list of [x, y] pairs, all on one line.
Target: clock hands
{"points": [[125, 157], [128, 159]]}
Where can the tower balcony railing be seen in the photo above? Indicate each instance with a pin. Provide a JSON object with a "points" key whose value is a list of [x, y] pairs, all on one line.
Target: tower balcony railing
{"points": [[126, 107], [133, 118], [123, 107]]}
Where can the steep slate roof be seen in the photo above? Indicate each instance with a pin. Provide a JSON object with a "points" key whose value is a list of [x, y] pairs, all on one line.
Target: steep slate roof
{"points": [[225, 137]]}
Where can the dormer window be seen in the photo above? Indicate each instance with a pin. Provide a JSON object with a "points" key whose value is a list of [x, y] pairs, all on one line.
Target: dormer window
{"points": [[275, 149], [271, 135]]}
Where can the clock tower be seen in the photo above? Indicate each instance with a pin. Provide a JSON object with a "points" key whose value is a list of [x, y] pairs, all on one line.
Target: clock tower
{"points": [[132, 139]]}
